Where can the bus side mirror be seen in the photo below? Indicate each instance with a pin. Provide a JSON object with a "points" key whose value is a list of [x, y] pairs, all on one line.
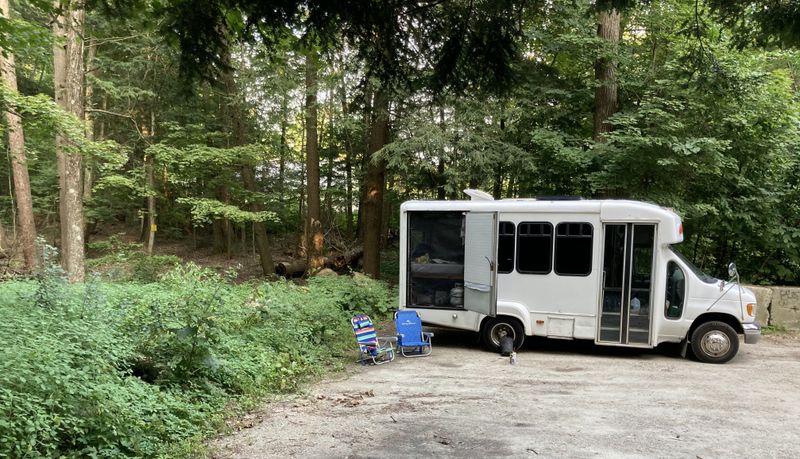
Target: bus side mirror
{"points": [[732, 272]]}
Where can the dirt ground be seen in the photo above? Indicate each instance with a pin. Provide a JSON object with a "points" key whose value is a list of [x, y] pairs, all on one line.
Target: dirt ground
{"points": [[561, 399]]}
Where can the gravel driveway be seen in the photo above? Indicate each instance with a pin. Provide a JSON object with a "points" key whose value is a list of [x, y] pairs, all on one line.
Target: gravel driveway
{"points": [[561, 399]]}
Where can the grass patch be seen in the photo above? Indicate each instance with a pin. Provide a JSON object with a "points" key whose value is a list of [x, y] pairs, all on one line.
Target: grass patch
{"points": [[776, 330]]}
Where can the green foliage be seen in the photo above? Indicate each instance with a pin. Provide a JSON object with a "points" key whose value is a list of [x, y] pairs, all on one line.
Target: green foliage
{"points": [[41, 112], [177, 325], [764, 23], [717, 145], [141, 370], [123, 261], [207, 210], [62, 387], [150, 268], [776, 330], [703, 128]]}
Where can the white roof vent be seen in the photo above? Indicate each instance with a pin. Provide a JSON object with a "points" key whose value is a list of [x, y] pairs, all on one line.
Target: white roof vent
{"points": [[478, 195]]}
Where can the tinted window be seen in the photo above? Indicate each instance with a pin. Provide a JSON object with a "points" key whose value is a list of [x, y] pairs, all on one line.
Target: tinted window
{"points": [[534, 247], [505, 248], [573, 249], [676, 291]]}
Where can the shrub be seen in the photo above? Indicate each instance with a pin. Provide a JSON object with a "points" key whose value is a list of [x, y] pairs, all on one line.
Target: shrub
{"points": [[133, 265], [177, 324], [62, 391], [132, 369], [149, 268]]}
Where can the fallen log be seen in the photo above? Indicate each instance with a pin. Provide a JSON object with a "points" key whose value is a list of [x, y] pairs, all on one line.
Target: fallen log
{"points": [[339, 262], [347, 259], [291, 268]]}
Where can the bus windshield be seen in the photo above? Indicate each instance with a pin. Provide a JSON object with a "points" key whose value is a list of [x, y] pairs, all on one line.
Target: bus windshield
{"points": [[697, 271]]}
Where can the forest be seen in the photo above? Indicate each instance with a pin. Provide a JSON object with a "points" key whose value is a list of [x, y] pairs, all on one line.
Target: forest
{"points": [[145, 136], [241, 127]]}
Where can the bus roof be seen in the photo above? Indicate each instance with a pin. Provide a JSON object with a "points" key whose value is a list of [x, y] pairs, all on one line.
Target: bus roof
{"points": [[609, 210]]}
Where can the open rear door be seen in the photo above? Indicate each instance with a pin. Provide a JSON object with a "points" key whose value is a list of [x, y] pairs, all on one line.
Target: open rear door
{"points": [[480, 262]]}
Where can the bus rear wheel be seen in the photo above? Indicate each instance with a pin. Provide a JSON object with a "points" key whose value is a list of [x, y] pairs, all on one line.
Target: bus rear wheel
{"points": [[497, 328], [715, 342]]}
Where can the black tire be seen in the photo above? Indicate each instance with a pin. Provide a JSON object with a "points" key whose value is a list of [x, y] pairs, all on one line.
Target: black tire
{"points": [[715, 342], [495, 328]]}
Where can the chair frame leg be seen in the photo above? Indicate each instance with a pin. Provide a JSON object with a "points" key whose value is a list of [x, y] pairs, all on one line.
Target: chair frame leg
{"points": [[380, 358], [420, 350]]}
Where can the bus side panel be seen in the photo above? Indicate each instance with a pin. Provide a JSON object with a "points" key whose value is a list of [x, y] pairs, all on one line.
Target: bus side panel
{"points": [[454, 318], [553, 295]]}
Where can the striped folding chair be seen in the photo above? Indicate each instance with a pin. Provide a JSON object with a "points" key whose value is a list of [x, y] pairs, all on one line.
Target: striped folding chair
{"points": [[373, 349]]}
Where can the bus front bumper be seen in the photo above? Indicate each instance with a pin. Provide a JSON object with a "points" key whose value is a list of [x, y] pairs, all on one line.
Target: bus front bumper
{"points": [[752, 333]]}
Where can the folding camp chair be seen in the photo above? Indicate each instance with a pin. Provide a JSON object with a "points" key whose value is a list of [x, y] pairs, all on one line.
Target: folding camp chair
{"points": [[372, 348], [410, 335]]}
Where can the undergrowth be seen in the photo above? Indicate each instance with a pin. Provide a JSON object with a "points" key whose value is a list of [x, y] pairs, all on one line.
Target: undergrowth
{"points": [[144, 369], [776, 329], [121, 261]]}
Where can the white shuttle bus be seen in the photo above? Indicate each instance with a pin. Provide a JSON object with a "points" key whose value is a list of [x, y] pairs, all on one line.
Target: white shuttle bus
{"points": [[601, 270]]}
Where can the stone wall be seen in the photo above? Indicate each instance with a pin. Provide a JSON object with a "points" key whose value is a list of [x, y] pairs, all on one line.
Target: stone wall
{"points": [[777, 305]]}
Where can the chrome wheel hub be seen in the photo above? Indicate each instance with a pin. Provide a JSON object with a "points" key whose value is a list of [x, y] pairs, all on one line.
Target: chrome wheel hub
{"points": [[500, 331], [715, 343]]}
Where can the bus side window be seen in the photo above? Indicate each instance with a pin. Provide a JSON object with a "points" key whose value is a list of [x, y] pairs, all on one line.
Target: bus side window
{"points": [[534, 247], [574, 249], [505, 248], [676, 291]]}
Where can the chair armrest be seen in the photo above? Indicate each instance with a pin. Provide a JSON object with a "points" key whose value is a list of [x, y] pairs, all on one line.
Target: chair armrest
{"points": [[428, 334]]}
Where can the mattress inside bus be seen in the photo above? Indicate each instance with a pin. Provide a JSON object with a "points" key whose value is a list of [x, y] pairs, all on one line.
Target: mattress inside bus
{"points": [[437, 270]]}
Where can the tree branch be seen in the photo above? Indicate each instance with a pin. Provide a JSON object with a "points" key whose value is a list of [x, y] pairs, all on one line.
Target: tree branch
{"points": [[121, 115]]}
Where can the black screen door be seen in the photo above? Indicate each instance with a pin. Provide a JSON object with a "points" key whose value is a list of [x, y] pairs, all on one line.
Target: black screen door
{"points": [[625, 309]]}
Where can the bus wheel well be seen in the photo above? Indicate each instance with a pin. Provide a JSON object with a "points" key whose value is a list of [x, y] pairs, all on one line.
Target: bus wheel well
{"points": [[503, 316], [718, 316]]}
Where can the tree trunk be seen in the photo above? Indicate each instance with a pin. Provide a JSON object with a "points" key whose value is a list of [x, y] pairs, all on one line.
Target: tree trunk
{"points": [[282, 153], [348, 164], [301, 240], [314, 242], [605, 69], [19, 166], [368, 95], [388, 209], [260, 229], [441, 180], [329, 217], [226, 193], [236, 124], [152, 224], [374, 183], [151, 204], [497, 186], [511, 184], [88, 166], [218, 232], [68, 82]]}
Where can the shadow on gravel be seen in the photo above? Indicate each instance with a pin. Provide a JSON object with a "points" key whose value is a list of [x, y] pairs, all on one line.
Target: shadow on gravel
{"points": [[446, 337]]}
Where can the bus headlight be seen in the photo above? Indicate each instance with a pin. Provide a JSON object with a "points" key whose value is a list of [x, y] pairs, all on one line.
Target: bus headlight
{"points": [[751, 307]]}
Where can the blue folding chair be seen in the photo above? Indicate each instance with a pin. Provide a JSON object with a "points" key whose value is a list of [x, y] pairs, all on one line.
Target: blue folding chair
{"points": [[411, 340], [371, 347]]}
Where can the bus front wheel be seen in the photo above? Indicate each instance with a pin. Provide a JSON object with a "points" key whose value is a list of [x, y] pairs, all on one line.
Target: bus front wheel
{"points": [[715, 342]]}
